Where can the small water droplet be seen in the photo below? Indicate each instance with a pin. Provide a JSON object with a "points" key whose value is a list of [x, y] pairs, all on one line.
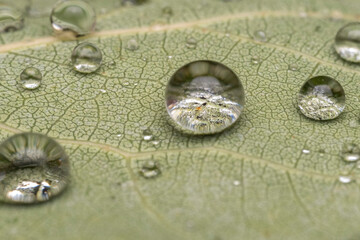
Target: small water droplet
{"points": [[260, 36], [132, 45], [191, 43], [86, 57], [170, 57], [119, 135], [293, 68], [351, 152], [150, 169], [132, 2], [321, 98], [236, 183], [155, 143], [34, 168], [204, 97], [30, 78], [10, 19], [103, 90], [255, 60], [147, 135], [345, 179], [305, 151], [74, 16], [167, 11], [347, 42]]}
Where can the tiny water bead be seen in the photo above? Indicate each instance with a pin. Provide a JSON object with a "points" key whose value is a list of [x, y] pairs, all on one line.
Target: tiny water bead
{"points": [[150, 169], [347, 42], [33, 168], [10, 19], [75, 16], [321, 98], [204, 97], [345, 179], [260, 36], [30, 78], [132, 45], [351, 152], [191, 43], [147, 135], [86, 57]]}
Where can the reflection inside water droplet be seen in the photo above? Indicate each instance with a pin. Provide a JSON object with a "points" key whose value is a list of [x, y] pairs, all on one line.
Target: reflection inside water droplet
{"points": [[321, 98], [345, 179], [33, 168]]}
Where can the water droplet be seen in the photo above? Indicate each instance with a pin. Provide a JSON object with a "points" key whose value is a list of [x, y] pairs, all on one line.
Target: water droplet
{"points": [[351, 152], [305, 151], [260, 36], [34, 168], [150, 169], [354, 123], [132, 2], [119, 135], [293, 68], [86, 57], [73, 16], [191, 43], [345, 179], [10, 19], [321, 98], [30, 78], [204, 97], [347, 42], [147, 135], [167, 11], [103, 90], [155, 143], [255, 60], [132, 45], [170, 57], [236, 183]]}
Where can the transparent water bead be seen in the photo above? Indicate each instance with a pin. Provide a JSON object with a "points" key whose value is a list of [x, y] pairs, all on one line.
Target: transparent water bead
{"points": [[345, 179], [150, 169], [347, 42], [191, 43], [74, 16], [132, 45], [30, 78], [351, 152], [34, 168], [204, 97], [86, 57], [10, 19], [260, 36], [321, 98]]}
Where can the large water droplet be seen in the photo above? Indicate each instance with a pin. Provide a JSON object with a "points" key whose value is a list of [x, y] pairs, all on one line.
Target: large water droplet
{"points": [[10, 19], [30, 78], [150, 169], [347, 42], [260, 36], [132, 45], [351, 152], [321, 98], [34, 168], [86, 57], [204, 97], [74, 16], [191, 43]]}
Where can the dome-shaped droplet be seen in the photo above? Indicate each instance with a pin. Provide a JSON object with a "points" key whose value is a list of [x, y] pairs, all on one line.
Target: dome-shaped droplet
{"points": [[321, 98], [150, 169], [204, 97], [75, 16], [351, 152], [191, 43], [260, 36], [30, 78], [147, 135], [132, 45], [33, 168], [86, 57], [347, 42], [10, 19]]}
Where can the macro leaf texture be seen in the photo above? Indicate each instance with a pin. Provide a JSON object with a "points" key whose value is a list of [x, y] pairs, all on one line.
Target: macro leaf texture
{"points": [[252, 181]]}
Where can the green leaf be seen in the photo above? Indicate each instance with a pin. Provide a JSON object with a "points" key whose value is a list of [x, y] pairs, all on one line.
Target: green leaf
{"points": [[250, 182]]}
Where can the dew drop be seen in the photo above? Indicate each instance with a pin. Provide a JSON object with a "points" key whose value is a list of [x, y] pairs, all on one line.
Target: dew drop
{"points": [[293, 68], [260, 36], [347, 42], [34, 168], [147, 135], [30, 78], [305, 151], [351, 152], [10, 19], [167, 11], [73, 16], [345, 179], [204, 97], [255, 60], [150, 169], [321, 98], [132, 45], [86, 57], [191, 43], [102, 90], [236, 183]]}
